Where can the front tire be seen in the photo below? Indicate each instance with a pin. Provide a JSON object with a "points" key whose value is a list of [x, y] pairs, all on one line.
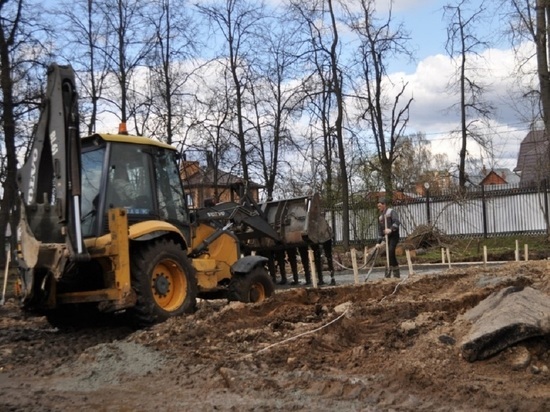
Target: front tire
{"points": [[164, 282], [252, 287]]}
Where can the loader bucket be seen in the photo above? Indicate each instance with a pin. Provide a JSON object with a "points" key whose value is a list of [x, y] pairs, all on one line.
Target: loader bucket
{"points": [[297, 221]]}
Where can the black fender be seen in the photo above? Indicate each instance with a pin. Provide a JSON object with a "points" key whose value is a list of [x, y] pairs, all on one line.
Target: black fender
{"points": [[247, 263]]}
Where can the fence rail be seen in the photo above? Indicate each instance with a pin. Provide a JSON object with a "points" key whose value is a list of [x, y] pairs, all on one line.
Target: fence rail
{"points": [[480, 212]]}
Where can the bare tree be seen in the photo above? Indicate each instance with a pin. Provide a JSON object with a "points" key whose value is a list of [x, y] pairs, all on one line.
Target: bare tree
{"points": [[387, 116], [130, 44], [80, 43], [21, 51], [239, 22], [174, 46], [462, 44], [530, 21], [337, 89], [211, 129], [412, 162], [278, 96], [320, 17]]}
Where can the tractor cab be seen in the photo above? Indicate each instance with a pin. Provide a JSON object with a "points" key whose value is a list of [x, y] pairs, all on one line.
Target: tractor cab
{"points": [[134, 173]]}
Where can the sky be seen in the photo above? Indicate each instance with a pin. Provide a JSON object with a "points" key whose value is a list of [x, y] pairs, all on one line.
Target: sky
{"points": [[427, 78]]}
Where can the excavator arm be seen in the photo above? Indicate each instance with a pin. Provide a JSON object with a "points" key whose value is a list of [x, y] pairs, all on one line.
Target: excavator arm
{"points": [[50, 179]]}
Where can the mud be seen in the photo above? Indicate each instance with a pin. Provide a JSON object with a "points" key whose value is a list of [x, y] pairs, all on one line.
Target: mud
{"points": [[387, 345]]}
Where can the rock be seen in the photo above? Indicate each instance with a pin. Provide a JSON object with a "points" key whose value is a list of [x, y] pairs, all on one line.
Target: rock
{"points": [[408, 326], [505, 318], [339, 309], [521, 359], [447, 340]]}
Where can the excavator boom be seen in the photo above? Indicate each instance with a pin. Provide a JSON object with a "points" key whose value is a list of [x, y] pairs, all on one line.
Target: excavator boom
{"points": [[50, 179]]}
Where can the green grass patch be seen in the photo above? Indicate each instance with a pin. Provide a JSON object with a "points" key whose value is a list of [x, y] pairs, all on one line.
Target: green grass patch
{"points": [[498, 249]]}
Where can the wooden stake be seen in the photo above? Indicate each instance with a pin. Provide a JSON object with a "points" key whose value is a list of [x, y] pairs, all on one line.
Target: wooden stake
{"points": [[6, 272], [526, 248], [313, 268], [409, 262], [354, 265], [449, 257], [442, 255], [484, 255], [517, 250]]}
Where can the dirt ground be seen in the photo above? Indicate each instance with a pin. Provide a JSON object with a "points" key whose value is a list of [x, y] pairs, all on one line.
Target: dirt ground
{"points": [[387, 345]]}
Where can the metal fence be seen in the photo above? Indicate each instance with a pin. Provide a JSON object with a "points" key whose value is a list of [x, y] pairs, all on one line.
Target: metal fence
{"points": [[485, 211]]}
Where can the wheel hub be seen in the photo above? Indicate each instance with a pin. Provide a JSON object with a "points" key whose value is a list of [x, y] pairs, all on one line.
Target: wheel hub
{"points": [[161, 285], [257, 293]]}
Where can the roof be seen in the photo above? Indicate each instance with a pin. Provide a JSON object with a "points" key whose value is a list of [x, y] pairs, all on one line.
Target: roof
{"points": [[120, 138], [533, 164], [501, 176], [201, 177], [398, 196]]}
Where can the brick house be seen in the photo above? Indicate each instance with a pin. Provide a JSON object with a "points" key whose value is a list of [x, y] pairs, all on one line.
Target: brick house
{"points": [[499, 177], [203, 185], [437, 180]]}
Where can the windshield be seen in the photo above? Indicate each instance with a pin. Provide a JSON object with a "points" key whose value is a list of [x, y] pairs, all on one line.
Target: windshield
{"points": [[169, 188], [92, 165], [129, 179]]}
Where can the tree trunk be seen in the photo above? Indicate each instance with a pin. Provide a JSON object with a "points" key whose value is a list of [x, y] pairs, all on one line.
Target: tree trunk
{"points": [[8, 119], [338, 125], [542, 18]]}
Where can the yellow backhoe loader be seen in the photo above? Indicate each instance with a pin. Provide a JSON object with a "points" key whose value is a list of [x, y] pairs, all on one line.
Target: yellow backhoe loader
{"points": [[105, 227]]}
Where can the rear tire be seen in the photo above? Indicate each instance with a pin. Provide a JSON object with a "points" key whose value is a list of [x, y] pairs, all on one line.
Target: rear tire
{"points": [[164, 282], [253, 287]]}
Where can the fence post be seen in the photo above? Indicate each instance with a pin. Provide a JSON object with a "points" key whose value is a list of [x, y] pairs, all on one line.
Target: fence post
{"points": [[546, 216], [484, 210], [428, 214]]}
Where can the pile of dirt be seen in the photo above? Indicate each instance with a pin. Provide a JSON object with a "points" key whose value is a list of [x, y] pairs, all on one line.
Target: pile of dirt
{"points": [[385, 345]]}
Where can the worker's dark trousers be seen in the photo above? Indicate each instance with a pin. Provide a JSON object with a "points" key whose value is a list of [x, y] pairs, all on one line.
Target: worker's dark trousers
{"points": [[393, 240]]}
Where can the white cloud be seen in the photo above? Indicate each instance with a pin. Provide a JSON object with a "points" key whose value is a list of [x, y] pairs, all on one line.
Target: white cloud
{"points": [[404, 5], [432, 111]]}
